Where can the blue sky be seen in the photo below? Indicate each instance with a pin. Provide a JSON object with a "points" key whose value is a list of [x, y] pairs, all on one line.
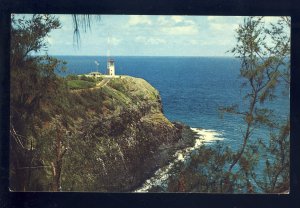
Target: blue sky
{"points": [[137, 35]]}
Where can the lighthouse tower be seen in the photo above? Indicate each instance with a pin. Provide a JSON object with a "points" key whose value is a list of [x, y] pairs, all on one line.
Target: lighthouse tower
{"points": [[110, 62], [110, 67]]}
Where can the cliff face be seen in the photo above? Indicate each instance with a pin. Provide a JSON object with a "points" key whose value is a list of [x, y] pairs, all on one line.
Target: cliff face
{"points": [[112, 138]]}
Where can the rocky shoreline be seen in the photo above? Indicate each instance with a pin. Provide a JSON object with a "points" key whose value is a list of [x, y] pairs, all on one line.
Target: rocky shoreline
{"points": [[165, 154], [196, 138]]}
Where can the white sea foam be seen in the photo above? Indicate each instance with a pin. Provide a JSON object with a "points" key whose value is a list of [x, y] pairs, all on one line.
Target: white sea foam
{"points": [[206, 136], [161, 175]]}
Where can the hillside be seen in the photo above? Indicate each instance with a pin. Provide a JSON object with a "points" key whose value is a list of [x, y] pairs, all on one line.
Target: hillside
{"points": [[109, 138]]}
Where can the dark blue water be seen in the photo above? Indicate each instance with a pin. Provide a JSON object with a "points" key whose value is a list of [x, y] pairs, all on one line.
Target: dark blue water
{"points": [[192, 88]]}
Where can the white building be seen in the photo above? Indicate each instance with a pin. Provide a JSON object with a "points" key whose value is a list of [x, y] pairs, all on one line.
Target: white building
{"points": [[94, 74], [111, 67]]}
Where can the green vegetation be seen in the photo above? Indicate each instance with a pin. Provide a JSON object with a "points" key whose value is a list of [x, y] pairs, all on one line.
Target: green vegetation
{"points": [[72, 77], [33, 85], [76, 82], [86, 140], [110, 139], [140, 90], [264, 66], [80, 84], [97, 139], [264, 51], [157, 118]]}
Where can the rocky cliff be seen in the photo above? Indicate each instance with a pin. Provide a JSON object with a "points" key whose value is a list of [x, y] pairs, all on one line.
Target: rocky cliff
{"points": [[111, 138]]}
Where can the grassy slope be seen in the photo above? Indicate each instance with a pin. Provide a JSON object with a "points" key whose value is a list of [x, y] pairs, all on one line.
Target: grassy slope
{"points": [[80, 84]]}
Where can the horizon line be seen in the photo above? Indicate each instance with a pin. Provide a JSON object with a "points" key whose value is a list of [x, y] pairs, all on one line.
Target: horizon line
{"points": [[145, 55]]}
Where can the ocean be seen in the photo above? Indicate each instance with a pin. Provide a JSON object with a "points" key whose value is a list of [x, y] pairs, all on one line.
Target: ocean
{"points": [[192, 89]]}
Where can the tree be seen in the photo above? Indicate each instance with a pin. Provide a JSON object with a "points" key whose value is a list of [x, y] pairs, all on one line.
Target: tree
{"points": [[264, 52], [32, 80], [32, 76], [84, 22], [260, 164], [37, 152], [52, 145]]}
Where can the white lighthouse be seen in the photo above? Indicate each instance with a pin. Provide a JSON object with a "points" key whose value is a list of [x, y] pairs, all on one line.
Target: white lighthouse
{"points": [[111, 67]]}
